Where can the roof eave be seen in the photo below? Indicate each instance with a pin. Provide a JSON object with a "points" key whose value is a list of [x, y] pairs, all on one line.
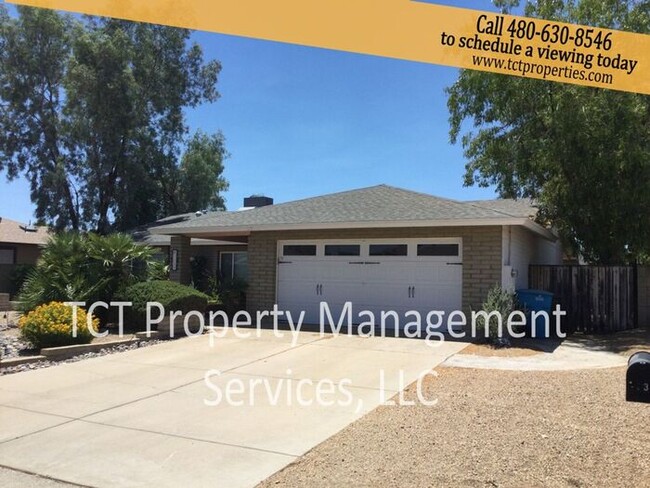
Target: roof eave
{"points": [[540, 229], [247, 229]]}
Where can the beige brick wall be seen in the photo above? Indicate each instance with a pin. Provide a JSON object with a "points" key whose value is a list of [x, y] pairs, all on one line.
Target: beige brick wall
{"points": [[481, 258], [183, 273]]}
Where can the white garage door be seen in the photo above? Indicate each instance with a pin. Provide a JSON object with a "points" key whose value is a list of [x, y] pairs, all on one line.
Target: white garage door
{"points": [[376, 275]]}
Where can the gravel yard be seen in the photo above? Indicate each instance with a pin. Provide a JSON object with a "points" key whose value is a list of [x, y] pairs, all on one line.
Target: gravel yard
{"points": [[492, 429]]}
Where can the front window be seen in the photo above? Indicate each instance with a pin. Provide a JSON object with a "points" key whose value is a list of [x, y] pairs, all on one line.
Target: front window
{"points": [[233, 266]]}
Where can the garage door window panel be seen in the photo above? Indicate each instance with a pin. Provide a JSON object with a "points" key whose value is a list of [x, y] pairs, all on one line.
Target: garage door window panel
{"points": [[437, 250], [388, 250], [299, 250], [342, 250]]}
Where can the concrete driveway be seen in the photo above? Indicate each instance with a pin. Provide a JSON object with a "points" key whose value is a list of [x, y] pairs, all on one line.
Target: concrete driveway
{"points": [[140, 418]]}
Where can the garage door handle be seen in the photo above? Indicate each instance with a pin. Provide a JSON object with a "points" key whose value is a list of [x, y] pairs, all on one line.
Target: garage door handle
{"points": [[413, 292], [284, 262], [454, 264]]}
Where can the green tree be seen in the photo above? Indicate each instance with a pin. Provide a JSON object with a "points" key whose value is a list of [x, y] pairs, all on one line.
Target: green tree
{"points": [[91, 112], [583, 153], [200, 182]]}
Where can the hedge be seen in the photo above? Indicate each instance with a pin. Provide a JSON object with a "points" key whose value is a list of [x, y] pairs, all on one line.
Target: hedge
{"points": [[173, 296]]}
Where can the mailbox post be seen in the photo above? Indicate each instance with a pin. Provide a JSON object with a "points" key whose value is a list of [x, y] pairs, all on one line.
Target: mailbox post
{"points": [[638, 378]]}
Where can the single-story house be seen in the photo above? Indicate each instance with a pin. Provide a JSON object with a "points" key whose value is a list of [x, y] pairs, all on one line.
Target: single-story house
{"points": [[381, 248], [225, 259], [19, 244]]}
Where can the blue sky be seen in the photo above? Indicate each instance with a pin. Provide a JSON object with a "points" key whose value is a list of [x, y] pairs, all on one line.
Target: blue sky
{"points": [[302, 122]]}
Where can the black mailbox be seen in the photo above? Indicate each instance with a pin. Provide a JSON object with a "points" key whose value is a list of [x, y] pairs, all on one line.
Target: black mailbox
{"points": [[638, 378]]}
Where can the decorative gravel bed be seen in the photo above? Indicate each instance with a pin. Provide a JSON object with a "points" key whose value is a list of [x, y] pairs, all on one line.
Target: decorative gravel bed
{"points": [[12, 346], [103, 352], [491, 429]]}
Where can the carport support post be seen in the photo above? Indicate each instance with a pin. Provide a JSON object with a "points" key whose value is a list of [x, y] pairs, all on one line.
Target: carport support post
{"points": [[179, 260]]}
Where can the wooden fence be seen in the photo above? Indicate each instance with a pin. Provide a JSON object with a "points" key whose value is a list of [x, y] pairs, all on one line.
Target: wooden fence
{"points": [[597, 299]]}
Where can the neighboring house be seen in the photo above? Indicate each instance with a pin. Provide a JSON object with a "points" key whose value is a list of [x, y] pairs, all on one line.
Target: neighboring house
{"points": [[19, 244], [382, 248]]}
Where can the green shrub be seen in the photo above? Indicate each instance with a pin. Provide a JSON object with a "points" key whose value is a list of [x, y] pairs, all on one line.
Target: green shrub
{"points": [[173, 296], [51, 326], [157, 270], [84, 267], [232, 293], [501, 301], [200, 273], [18, 276]]}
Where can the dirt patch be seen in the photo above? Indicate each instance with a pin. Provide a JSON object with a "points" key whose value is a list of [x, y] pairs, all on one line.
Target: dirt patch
{"points": [[519, 347], [491, 428], [486, 350], [625, 343]]}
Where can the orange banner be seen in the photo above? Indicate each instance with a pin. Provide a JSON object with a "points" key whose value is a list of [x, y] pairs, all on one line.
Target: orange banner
{"points": [[405, 29]]}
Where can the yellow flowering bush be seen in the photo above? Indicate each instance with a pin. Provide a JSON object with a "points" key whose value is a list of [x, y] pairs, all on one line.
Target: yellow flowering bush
{"points": [[50, 325]]}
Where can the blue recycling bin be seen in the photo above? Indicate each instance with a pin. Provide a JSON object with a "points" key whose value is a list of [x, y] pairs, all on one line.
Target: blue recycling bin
{"points": [[537, 301]]}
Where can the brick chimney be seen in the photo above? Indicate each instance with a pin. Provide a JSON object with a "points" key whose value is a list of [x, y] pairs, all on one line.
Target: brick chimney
{"points": [[257, 201]]}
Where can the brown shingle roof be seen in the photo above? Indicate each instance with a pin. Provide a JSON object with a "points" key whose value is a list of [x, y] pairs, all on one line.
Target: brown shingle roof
{"points": [[12, 232], [524, 207], [371, 205], [143, 235]]}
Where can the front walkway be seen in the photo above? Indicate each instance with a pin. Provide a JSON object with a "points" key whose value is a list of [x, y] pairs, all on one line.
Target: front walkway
{"points": [[139, 418], [567, 356]]}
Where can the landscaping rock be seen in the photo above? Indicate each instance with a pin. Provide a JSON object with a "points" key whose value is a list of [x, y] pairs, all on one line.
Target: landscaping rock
{"points": [[65, 352], [11, 345], [4, 302], [103, 352]]}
